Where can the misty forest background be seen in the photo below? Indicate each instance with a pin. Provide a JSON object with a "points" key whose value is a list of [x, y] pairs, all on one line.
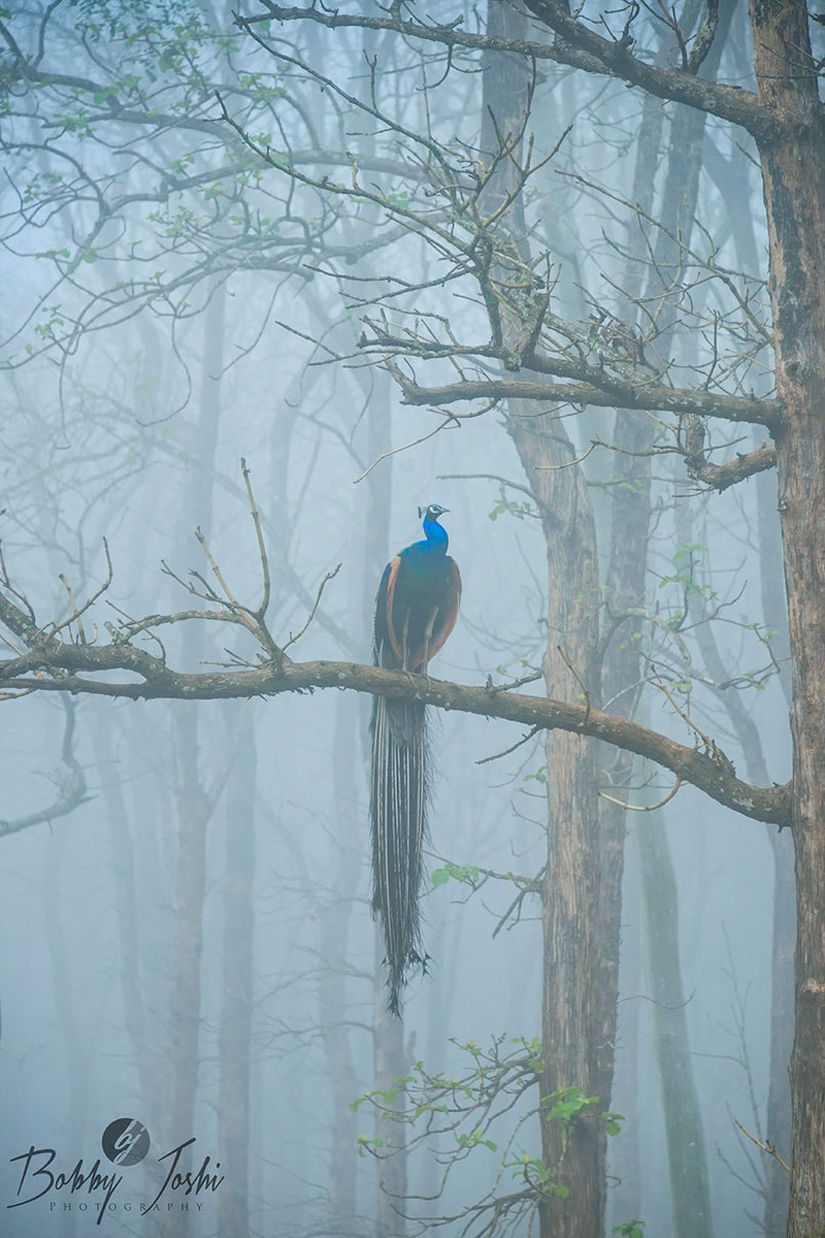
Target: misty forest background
{"points": [[185, 886]]}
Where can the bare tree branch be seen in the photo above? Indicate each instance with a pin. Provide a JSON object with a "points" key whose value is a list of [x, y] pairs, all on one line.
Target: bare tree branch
{"points": [[577, 46], [66, 667], [611, 392]]}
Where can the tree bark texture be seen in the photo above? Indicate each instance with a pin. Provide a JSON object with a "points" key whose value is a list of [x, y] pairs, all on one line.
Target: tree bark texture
{"points": [[574, 1055], [793, 169], [778, 1117]]}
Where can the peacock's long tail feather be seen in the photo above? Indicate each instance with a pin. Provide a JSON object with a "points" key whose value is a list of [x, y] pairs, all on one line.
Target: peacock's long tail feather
{"points": [[398, 816]]}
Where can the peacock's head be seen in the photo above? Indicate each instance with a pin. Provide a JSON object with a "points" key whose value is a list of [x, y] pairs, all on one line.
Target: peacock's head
{"points": [[432, 512]]}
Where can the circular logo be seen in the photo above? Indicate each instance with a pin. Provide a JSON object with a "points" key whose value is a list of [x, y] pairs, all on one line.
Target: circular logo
{"points": [[125, 1141]]}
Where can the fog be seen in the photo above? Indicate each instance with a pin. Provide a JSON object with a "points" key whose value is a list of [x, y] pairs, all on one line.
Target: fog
{"points": [[191, 945]]}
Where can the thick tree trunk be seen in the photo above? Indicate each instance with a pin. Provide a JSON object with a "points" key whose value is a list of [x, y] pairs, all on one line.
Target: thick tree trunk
{"points": [[802, 489], [778, 1117], [575, 1053], [793, 167], [571, 1006]]}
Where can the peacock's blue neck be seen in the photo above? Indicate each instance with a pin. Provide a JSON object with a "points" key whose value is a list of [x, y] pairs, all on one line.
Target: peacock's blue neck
{"points": [[437, 539], [434, 547]]}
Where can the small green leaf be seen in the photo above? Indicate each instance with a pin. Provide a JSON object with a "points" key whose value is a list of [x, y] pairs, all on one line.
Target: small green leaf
{"points": [[630, 1229]]}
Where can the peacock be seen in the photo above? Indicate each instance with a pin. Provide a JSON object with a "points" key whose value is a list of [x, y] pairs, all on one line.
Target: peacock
{"points": [[415, 611]]}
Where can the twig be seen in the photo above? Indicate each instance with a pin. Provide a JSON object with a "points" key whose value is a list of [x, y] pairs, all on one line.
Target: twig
{"points": [[294, 639], [78, 611], [394, 451], [228, 594], [763, 1145], [256, 520], [525, 739], [672, 793], [577, 678]]}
